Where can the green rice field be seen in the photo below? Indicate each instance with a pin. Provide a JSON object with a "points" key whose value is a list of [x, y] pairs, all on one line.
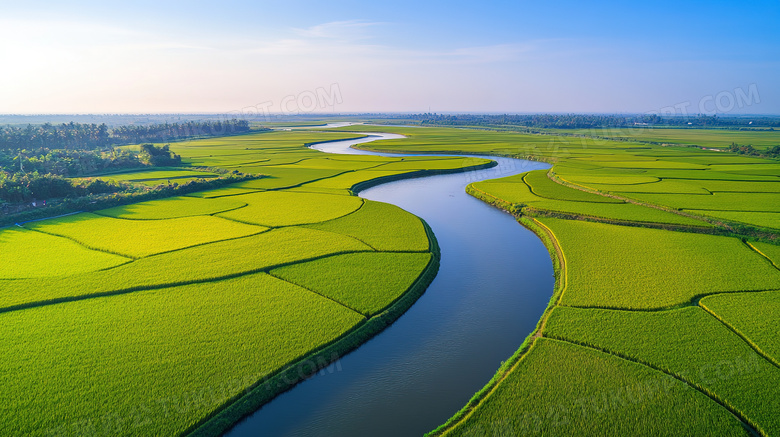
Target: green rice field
{"points": [[30, 254], [737, 311], [169, 310], [652, 268], [698, 349], [156, 359], [709, 138], [561, 388], [652, 284], [663, 320], [160, 176]]}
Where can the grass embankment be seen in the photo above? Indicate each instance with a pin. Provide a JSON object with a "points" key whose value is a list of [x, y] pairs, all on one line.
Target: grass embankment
{"points": [[708, 138], [612, 215], [697, 349], [154, 362], [62, 256], [150, 237], [759, 328], [564, 389], [586, 161], [192, 327]]}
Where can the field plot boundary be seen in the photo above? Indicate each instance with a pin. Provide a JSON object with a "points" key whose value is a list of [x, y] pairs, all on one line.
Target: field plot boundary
{"points": [[556, 178], [751, 427], [360, 186], [737, 332], [244, 404], [758, 251], [157, 286], [317, 293], [508, 366], [132, 258], [559, 263]]}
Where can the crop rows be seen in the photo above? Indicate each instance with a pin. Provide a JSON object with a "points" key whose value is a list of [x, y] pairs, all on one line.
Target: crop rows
{"points": [[563, 389], [637, 268], [637, 304], [149, 237], [194, 313], [697, 348]]}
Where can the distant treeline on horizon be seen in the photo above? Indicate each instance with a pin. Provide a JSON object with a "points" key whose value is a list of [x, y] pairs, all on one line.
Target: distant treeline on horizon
{"points": [[586, 121], [144, 126], [97, 136]]}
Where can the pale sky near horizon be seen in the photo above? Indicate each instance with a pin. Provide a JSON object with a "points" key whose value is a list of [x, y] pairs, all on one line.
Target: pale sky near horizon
{"points": [[519, 56]]}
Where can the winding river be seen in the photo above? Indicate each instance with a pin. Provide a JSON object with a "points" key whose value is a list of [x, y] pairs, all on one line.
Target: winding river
{"points": [[494, 282]]}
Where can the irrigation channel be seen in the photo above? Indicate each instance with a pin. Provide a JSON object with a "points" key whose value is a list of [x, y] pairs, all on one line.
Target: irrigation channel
{"points": [[494, 282]]}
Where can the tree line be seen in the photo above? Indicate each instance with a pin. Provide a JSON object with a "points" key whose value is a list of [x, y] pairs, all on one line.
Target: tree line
{"points": [[92, 194], [78, 136], [74, 163], [37, 161], [771, 152], [587, 121], [19, 187], [45, 174]]}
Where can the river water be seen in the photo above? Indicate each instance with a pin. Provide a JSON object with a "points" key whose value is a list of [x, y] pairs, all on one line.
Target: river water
{"points": [[494, 282]]}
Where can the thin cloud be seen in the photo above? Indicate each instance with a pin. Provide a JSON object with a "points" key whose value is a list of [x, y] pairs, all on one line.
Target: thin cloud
{"points": [[340, 30], [346, 40]]}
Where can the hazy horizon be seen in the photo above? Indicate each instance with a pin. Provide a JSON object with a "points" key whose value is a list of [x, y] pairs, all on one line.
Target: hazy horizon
{"points": [[345, 57]]}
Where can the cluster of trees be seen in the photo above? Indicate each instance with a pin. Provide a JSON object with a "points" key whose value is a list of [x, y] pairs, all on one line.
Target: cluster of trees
{"points": [[162, 133], [38, 162], [25, 176], [586, 121], [25, 187], [91, 195], [93, 136], [67, 162], [772, 152], [64, 136], [159, 156]]}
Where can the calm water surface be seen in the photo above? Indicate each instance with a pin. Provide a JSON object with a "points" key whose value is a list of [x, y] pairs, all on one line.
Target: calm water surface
{"points": [[495, 280]]}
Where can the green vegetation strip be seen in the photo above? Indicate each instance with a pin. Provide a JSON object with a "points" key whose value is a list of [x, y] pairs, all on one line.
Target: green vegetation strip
{"points": [[636, 268], [158, 361], [696, 348], [172, 208], [753, 316], [29, 254], [565, 389], [365, 282], [559, 268], [269, 387], [149, 237]]}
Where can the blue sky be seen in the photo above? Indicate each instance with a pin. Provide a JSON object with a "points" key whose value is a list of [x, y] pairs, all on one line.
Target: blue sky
{"points": [[520, 56]]}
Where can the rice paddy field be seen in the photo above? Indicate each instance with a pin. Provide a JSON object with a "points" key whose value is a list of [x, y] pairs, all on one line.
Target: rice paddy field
{"points": [[152, 318], [155, 318], [560, 388], [664, 316], [159, 176], [709, 138], [698, 348]]}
